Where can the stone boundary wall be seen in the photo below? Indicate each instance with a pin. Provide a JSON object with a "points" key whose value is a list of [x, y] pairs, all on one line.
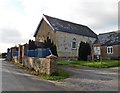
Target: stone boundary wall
{"points": [[43, 65], [15, 59], [8, 58]]}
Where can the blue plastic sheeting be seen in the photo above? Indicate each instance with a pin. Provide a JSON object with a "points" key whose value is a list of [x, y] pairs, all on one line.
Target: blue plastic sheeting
{"points": [[15, 53], [31, 53], [9, 54], [40, 52]]}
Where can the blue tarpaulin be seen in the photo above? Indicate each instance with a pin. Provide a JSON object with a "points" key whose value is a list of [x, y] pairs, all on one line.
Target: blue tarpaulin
{"points": [[31, 53], [9, 54], [15, 53], [40, 52]]}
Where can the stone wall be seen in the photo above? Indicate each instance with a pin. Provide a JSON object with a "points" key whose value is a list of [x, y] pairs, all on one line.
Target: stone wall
{"points": [[64, 45], [8, 58], [15, 59], [44, 32], [43, 65]]}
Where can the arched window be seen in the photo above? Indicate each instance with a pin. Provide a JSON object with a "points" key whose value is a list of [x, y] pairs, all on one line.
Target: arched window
{"points": [[74, 43]]}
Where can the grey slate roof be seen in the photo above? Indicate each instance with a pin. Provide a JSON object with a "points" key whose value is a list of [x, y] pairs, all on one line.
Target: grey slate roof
{"points": [[109, 39], [68, 27]]}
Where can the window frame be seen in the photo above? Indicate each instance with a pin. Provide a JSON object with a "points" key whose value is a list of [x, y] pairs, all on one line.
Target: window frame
{"points": [[75, 44], [110, 50]]}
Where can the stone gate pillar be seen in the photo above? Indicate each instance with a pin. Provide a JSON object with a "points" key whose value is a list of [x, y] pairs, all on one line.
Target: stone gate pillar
{"points": [[19, 53], [52, 65]]}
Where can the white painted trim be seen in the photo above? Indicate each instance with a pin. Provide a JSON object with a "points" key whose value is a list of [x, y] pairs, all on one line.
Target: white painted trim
{"points": [[72, 43], [48, 22], [111, 52]]}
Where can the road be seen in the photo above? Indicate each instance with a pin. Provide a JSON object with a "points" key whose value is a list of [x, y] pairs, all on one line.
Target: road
{"points": [[14, 79], [82, 79], [90, 79]]}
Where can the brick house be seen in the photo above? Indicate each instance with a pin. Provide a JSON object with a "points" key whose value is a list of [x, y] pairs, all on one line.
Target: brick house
{"points": [[64, 34], [110, 45]]}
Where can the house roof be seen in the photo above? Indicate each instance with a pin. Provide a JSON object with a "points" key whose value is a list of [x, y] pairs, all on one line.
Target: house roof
{"points": [[108, 39], [68, 27]]}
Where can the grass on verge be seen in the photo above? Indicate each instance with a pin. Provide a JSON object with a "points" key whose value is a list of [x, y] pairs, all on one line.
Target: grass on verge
{"points": [[57, 75], [19, 65], [103, 64]]}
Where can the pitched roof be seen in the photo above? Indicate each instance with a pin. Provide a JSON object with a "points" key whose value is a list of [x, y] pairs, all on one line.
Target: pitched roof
{"points": [[108, 39], [69, 27]]}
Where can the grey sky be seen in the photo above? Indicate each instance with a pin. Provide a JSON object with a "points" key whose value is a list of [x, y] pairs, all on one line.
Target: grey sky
{"points": [[13, 36], [19, 18]]}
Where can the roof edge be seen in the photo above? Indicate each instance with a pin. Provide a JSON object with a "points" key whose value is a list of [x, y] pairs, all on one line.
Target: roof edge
{"points": [[43, 18], [38, 28]]}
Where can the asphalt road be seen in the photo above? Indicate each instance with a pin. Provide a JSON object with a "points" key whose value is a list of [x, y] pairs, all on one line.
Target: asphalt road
{"points": [[90, 79], [14, 79], [82, 79]]}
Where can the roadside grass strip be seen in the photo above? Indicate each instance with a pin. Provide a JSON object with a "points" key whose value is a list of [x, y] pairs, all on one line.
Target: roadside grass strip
{"points": [[57, 75], [19, 65], [103, 64]]}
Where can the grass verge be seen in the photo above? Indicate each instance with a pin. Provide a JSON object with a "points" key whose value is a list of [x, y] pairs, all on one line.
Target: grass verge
{"points": [[57, 75], [19, 65], [103, 64]]}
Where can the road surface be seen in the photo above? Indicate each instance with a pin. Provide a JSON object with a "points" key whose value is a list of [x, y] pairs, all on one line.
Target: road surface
{"points": [[14, 79], [82, 79], [90, 79]]}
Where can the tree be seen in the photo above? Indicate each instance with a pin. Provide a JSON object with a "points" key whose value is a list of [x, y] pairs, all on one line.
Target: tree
{"points": [[84, 51], [32, 45], [4, 55], [52, 46]]}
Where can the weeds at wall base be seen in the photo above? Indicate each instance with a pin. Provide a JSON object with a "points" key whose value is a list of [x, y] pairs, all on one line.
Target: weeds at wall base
{"points": [[59, 74]]}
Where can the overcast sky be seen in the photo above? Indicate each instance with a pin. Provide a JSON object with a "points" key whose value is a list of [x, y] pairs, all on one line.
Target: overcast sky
{"points": [[19, 18]]}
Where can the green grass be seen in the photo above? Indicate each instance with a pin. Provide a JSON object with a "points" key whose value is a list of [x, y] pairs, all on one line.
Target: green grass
{"points": [[57, 75], [103, 64], [19, 65]]}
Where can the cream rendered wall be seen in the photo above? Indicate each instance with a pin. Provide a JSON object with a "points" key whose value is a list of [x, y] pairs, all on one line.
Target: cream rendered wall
{"points": [[64, 45]]}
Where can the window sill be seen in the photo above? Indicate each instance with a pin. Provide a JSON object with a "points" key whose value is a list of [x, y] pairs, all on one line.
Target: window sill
{"points": [[109, 53], [74, 48]]}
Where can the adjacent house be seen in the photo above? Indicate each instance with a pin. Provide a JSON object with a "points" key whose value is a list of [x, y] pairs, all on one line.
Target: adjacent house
{"points": [[110, 45], [64, 34]]}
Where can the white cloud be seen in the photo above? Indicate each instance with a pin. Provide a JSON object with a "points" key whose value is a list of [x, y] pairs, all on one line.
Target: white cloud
{"points": [[24, 15]]}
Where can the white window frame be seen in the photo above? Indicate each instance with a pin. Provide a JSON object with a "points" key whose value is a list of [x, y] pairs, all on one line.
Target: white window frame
{"points": [[74, 41], [110, 48]]}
